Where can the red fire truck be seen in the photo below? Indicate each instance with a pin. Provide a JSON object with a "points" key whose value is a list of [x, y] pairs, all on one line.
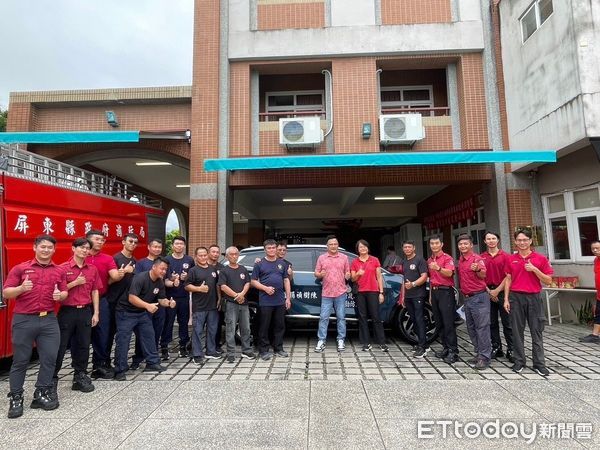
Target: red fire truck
{"points": [[42, 196]]}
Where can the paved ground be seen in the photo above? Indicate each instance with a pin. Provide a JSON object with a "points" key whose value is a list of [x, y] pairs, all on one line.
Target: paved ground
{"points": [[330, 400]]}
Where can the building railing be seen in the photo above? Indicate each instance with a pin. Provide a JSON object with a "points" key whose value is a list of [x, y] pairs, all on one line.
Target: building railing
{"points": [[275, 116], [34, 167], [425, 112]]}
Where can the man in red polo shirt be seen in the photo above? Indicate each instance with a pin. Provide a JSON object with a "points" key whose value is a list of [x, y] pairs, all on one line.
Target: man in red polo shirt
{"points": [[78, 314], [525, 273], [471, 275], [101, 333], [443, 302], [594, 338], [35, 286], [495, 262]]}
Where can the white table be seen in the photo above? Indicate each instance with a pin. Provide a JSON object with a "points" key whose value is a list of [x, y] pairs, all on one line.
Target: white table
{"points": [[555, 293]]}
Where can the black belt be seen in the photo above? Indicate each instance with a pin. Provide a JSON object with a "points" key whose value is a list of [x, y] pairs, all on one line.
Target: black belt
{"points": [[40, 314], [492, 286], [77, 306], [473, 294], [441, 288]]}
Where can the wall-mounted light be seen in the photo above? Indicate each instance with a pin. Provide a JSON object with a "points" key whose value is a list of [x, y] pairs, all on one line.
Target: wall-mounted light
{"points": [[182, 185], [367, 129], [152, 163], [388, 197], [297, 199], [111, 119]]}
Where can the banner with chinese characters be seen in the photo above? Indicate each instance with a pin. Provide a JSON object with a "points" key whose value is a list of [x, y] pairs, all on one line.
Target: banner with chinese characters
{"points": [[456, 213]]}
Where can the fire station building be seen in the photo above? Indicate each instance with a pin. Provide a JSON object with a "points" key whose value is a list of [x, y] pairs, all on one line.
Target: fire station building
{"points": [[376, 119]]}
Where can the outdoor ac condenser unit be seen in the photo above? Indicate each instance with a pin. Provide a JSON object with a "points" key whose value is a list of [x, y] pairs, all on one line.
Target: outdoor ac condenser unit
{"points": [[400, 128], [300, 131]]}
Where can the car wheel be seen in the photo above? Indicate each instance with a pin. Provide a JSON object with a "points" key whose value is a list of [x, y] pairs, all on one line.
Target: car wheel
{"points": [[406, 328]]}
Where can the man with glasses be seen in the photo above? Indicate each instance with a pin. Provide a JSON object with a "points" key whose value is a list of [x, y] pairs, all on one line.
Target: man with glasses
{"points": [[525, 272]]}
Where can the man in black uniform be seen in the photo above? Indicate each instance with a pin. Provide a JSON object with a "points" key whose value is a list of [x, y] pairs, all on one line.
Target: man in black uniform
{"points": [[119, 290], [415, 295], [146, 295], [202, 283], [214, 253], [234, 282]]}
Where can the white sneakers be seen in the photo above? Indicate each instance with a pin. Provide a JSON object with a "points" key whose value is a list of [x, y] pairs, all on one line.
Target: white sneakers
{"points": [[341, 346], [320, 347]]}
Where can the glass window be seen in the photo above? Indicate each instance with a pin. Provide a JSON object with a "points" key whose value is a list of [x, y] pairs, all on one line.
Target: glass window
{"points": [[281, 100], [588, 233], [529, 23], [301, 259], [398, 98], [560, 238], [411, 95], [556, 203], [586, 199], [546, 9]]}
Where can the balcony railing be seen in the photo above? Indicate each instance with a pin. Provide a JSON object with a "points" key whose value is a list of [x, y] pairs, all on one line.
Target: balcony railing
{"points": [[34, 167], [426, 112], [275, 116]]}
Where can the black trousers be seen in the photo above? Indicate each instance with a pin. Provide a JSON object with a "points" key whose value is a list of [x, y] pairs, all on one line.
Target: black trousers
{"points": [[74, 322], [527, 308], [415, 307], [443, 304], [368, 308], [497, 308], [274, 315], [27, 329]]}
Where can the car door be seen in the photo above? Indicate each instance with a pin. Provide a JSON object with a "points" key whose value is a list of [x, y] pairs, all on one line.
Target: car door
{"points": [[306, 292]]}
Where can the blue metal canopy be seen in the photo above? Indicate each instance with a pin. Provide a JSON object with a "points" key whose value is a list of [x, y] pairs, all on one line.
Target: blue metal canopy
{"points": [[379, 159], [69, 137]]}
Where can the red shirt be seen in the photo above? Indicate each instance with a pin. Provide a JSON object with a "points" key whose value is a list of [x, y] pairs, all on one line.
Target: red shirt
{"points": [[523, 281], [44, 278], [335, 267], [597, 276], [368, 281], [445, 261], [104, 263], [82, 294], [469, 281], [495, 267]]}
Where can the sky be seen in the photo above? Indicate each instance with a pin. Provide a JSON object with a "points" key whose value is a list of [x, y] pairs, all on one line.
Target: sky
{"points": [[90, 44]]}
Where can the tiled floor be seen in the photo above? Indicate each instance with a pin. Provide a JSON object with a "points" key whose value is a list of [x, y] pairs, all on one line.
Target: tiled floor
{"points": [[566, 358]]}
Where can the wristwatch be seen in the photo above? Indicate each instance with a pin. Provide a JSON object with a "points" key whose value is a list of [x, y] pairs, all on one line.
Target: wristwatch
{"points": [[413, 284]]}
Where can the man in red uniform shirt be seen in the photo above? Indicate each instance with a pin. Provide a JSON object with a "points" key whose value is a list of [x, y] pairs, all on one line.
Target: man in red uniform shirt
{"points": [[35, 286], [471, 275], [594, 338], [443, 302], [101, 333], [79, 312], [525, 273], [495, 262]]}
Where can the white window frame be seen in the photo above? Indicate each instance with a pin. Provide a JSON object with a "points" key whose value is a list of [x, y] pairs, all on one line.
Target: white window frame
{"points": [[294, 108], [571, 215], [466, 229], [408, 103], [538, 20]]}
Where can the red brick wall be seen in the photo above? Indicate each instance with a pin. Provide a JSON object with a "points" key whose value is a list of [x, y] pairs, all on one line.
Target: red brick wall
{"points": [[401, 12], [131, 117], [360, 176], [300, 14], [519, 208], [239, 109], [205, 116], [354, 103], [21, 117], [471, 98]]}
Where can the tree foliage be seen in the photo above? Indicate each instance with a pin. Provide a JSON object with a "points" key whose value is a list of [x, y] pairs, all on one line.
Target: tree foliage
{"points": [[3, 119], [169, 241]]}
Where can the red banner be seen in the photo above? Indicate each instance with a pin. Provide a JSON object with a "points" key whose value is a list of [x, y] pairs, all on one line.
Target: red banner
{"points": [[455, 213]]}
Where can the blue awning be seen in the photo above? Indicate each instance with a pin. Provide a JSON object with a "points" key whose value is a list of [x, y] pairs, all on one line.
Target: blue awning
{"points": [[379, 159], [69, 137]]}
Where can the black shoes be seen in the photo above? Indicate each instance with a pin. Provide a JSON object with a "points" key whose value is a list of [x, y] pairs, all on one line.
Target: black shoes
{"points": [[230, 359], [199, 360], [183, 353], [45, 399], [249, 355], [473, 360], [83, 383], [366, 347], [154, 368], [266, 356], [450, 358], [481, 365], [509, 356], [215, 355], [104, 371], [164, 354], [120, 376], [420, 352], [134, 365], [15, 405], [384, 348], [541, 370], [282, 353], [518, 367], [442, 353]]}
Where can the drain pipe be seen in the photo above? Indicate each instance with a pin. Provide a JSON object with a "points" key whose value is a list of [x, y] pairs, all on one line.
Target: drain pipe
{"points": [[325, 71], [378, 72]]}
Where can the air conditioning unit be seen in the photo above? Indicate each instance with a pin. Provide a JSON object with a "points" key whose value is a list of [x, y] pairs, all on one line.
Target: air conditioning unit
{"points": [[300, 131], [400, 128]]}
